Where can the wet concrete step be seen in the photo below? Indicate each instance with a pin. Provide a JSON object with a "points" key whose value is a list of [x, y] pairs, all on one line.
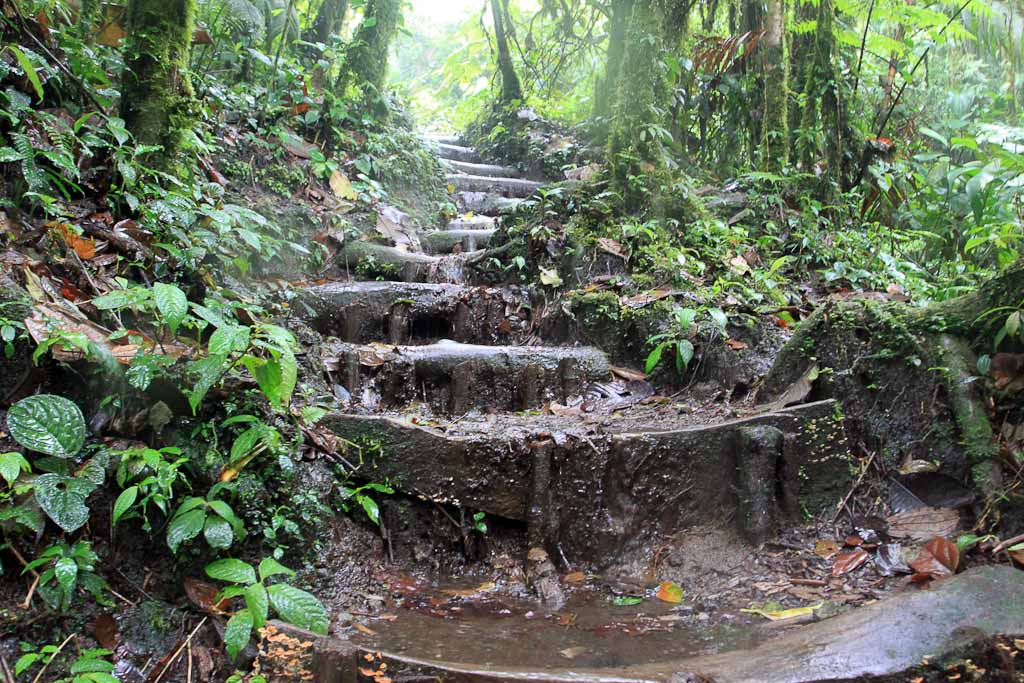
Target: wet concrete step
{"points": [[491, 170], [459, 153], [411, 313], [486, 203], [597, 487], [443, 138], [506, 187], [371, 260], [472, 223], [909, 636], [454, 378], [445, 241]]}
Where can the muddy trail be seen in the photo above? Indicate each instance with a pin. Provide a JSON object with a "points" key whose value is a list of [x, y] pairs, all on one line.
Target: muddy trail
{"points": [[555, 519]]}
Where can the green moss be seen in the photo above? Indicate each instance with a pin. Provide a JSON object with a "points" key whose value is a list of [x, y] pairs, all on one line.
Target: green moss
{"points": [[157, 100]]}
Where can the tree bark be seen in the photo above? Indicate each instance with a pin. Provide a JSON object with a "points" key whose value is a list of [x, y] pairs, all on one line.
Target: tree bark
{"points": [[607, 85], [511, 90], [367, 63], [157, 101], [776, 86], [330, 19]]}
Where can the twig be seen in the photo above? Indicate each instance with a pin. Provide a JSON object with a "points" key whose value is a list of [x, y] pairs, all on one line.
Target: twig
{"points": [[863, 44], [40, 674], [177, 653], [856, 485], [31, 592], [1007, 543], [188, 675], [5, 668]]}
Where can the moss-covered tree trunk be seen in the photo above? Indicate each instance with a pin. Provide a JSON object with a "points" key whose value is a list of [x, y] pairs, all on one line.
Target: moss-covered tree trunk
{"points": [[511, 90], [775, 146], [607, 85], [904, 374], [88, 15], [367, 62], [157, 101], [821, 118], [635, 143], [328, 22]]}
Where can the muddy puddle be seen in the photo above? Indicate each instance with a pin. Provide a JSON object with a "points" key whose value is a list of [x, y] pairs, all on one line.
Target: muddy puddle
{"points": [[483, 627]]}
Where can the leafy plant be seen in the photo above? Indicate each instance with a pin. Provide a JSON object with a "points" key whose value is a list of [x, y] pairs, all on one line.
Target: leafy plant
{"points": [[90, 666], [65, 569], [154, 476], [291, 604], [211, 517], [368, 504]]}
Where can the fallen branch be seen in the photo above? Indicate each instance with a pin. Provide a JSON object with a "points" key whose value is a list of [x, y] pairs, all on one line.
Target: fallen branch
{"points": [[40, 674], [1003, 545], [177, 654]]}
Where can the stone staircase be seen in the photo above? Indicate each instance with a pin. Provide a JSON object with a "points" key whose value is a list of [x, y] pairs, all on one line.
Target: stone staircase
{"points": [[450, 394]]}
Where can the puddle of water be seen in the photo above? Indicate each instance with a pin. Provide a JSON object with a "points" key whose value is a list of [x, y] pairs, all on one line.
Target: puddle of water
{"points": [[501, 632]]}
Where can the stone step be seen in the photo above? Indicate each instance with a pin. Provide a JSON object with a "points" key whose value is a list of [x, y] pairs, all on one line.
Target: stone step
{"points": [[490, 170], [599, 489], [486, 203], [506, 187], [474, 223], [454, 378], [443, 138], [369, 260], [913, 635], [410, 313], [445, 241], [458, 153]]}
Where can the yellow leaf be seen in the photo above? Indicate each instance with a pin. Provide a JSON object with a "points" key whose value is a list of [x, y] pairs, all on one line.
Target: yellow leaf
{"points": [[451, 188], [669, 591], [342, 187], [778, 615], [550, 277]]}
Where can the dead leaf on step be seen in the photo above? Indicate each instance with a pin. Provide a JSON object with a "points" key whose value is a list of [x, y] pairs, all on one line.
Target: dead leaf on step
{"points": [[736, 344], [780, 614], [365, 631], [628, 373], [396, 226], [848, 561], [341, 186], [550, 277], [796, 392], [612, 247], [105, 630], [938, 558], [1007, 371], [572, 652], [611, 396], [583, 173], [644, 298], [204, 596], [738, 264], [563, 411], [470, 592], [670, 592], [85, 247], [924, 523], [574, 577], [296, 145]]}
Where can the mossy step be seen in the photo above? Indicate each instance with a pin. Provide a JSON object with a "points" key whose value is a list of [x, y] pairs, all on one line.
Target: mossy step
{"points": [[486, 203], [404, 312], [491, 170], [445, 241], [471, 223], [458, 153], [443, 138], [454, 378], [611, 486], [506, 187]]}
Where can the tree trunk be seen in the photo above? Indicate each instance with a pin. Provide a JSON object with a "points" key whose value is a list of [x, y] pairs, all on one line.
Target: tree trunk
{"points": [[329, 20], [634, 147], [157, 101], [822, 112], [776, 86], [511, 90], [607, 85], [367, 63]]}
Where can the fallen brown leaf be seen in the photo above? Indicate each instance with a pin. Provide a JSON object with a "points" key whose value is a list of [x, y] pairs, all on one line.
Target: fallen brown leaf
{"points": [[849, 561]]}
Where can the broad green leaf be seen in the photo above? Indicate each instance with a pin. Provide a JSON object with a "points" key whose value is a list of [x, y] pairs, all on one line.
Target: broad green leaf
{"points": [[370, 507], [226, 513], [172, 304], [62, 498], [229, 339], [312, 414], [257, 602], [12, 465], [626, 600], [124, 502], [271, 567], [206, 373], [298, 607], [47, 424], [85, 665], [184, 527], [720, 318], [654, 357], [684, 354], [218, 532], [237, 632], [245, 442], [66, 571], [232, 571]]}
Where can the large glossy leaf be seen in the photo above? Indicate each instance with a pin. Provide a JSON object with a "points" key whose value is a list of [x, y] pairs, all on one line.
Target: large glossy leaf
{"points": [[47, 424], [12, 465], [258, 604], [62, 498], [184, 527], [232, 571], [172, 304], [237, 632], [218, 532], [298, 607]]}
